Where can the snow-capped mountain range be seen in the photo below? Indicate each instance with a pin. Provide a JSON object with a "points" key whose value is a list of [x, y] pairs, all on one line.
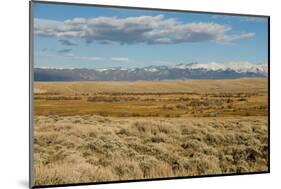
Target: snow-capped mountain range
{"points": [[213, 70], [235, 66]]}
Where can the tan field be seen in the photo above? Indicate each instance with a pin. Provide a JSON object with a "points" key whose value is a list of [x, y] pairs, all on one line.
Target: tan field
{"points": [[110, 131]]}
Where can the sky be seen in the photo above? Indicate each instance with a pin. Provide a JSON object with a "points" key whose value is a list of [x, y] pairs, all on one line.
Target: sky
{"points": [[73, 36]]}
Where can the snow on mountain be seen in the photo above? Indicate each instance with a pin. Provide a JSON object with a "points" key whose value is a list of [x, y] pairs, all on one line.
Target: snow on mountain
{"points": [[123, 69], [240, 67], [101, 69], [151, 69], [110, 69]]}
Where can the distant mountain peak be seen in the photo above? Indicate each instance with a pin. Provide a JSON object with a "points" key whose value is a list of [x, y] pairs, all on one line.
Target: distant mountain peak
{"points": [[193, 70], [241, 67]]}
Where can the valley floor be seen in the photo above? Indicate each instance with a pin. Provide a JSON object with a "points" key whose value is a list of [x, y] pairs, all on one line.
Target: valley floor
{"points": [[111, 131]]}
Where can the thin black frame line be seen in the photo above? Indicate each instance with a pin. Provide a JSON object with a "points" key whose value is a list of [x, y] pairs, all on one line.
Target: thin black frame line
{"points": [[135, 180], [31, 116], [147, 8], [268, 104]]}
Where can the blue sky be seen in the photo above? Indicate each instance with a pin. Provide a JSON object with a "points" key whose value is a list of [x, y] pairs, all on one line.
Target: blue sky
{"points": [[71, 36]]}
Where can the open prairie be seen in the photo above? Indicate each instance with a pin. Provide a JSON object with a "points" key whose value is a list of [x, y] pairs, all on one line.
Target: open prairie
{"points": [[109, 131]]}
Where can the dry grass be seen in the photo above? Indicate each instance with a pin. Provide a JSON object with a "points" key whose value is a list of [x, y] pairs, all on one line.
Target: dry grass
{"points": [[87, 148], [97, 131], [153, 99], [191, 86]]}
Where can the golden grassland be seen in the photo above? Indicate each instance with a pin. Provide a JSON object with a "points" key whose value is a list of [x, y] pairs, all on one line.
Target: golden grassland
{"points": [[153, 99], [109, 131]]}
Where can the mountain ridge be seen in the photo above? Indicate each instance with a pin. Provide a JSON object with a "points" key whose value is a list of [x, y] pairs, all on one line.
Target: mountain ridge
{"points": [[191, 70]]}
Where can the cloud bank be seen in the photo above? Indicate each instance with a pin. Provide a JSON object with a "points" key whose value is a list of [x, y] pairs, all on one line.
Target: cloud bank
{"points": [[132, 30]]}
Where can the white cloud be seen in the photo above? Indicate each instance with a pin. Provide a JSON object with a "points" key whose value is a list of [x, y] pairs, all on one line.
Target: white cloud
{"points": [[120, 59], [75, 21], [227, 38], [89, 58], [141, 29]]}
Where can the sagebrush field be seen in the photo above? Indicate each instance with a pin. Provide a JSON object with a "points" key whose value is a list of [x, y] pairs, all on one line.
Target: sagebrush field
{"points": [[109, 131]]}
